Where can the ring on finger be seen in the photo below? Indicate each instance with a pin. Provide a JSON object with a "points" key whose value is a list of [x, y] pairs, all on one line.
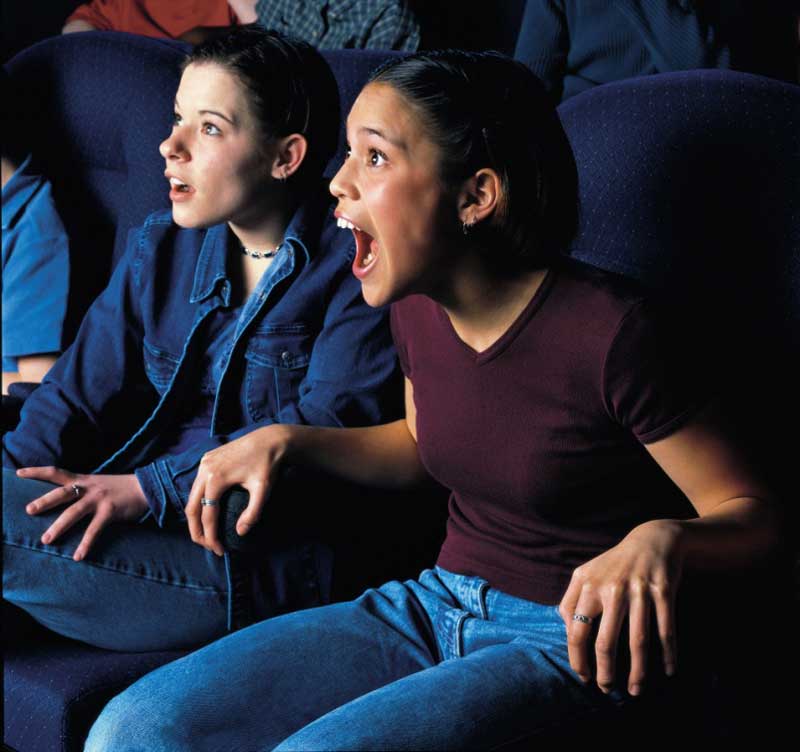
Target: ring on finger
{"points": [[209, 502], [77, 490], [582, 618]]}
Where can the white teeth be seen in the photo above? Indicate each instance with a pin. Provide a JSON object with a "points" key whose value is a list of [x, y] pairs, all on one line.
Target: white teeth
{"points": [[345, 224], [178, 184], [368, 259]]}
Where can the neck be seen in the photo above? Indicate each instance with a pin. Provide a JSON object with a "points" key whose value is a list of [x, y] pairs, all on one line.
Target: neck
{"points": [[483, 303], [263, 231]]}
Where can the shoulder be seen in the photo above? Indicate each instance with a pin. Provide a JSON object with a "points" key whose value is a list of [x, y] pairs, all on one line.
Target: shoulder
{"points": [[601, 299], [314, 225]]}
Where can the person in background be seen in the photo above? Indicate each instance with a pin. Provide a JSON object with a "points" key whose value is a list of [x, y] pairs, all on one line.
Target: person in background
{"points": [[573, 45], [35, 252], [235, 309], [592, 480], [336, 24], [174, 19]]}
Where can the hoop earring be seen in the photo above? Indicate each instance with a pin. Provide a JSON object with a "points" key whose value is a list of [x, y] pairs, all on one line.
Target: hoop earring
{"points": [[466, 227]]}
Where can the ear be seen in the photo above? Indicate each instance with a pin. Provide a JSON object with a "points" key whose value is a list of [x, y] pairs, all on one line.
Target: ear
{"points": [[479, 197], [290, 151]]}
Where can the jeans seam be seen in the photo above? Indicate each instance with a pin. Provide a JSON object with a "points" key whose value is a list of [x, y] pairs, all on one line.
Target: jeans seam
{"points": [[459, 646], [202, 588], [483, 588]]}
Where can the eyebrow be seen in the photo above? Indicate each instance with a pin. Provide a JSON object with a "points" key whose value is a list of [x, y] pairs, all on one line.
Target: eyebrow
{"points": [[380, 134], [232, 121]]}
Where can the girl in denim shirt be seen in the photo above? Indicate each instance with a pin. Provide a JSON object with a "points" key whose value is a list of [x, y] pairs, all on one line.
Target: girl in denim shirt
{"points": [[235, 310]]}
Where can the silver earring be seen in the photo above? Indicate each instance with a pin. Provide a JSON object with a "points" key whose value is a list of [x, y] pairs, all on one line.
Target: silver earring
{"points": [[466, 227]]}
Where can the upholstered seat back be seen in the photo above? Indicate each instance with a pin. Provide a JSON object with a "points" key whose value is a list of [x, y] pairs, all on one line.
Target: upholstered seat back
{"points": [[690, 182]]}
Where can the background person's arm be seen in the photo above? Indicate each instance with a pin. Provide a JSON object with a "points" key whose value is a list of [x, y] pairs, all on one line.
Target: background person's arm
{"points": [[30, 368]]}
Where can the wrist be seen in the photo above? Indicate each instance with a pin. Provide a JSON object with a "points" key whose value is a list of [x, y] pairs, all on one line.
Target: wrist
{"points": [[279, 441], [666, 534], [137, 492]]}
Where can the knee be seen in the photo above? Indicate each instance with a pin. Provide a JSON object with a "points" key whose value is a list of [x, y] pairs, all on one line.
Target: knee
{"points": [[131, 723], [17, 492]]}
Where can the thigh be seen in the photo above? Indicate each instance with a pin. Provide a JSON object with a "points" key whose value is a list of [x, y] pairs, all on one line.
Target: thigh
{"points": [[140, 588], [255, 687], [493, 697]]}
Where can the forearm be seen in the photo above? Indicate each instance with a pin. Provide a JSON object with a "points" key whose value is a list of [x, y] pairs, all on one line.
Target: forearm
{"points": [[739, 533], [385, 456]]}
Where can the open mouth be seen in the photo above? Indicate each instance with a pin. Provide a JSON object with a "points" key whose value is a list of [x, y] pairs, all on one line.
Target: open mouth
{"points": [[366, 245], [179, 186]]}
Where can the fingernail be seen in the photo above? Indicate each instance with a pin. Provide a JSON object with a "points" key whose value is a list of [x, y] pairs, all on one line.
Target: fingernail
{"points": [[46, 538], [78, 556], [31, 508], [584, 677], [670, 670], [635, 689], [242, 528]]}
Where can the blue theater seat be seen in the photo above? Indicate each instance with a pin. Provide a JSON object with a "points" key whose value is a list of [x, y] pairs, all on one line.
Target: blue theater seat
{"points": [[688, 181]]}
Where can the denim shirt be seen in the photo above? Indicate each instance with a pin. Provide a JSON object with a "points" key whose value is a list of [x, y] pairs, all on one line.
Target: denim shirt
{"points": [[307, 349]]}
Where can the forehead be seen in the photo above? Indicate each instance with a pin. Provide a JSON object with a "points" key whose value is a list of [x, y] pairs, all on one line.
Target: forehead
{"points": [[381, 107], [210, 86]]}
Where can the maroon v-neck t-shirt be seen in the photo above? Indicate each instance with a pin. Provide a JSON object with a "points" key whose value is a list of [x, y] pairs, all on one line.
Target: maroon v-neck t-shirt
{"points": [[540, 437]]}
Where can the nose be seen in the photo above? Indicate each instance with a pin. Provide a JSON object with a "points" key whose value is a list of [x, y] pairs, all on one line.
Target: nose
{"points": [[173, 147], [342, 185]]}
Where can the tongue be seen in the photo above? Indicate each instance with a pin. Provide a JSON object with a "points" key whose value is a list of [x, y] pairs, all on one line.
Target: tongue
{"points": [[365, 244]]}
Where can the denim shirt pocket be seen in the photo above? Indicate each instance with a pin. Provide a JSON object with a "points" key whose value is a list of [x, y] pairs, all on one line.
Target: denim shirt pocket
{"points": [[159, 365], [277, 361]]}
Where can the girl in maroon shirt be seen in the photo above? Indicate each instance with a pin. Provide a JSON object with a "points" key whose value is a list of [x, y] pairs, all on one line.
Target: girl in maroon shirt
{"points": [[585, 472]]}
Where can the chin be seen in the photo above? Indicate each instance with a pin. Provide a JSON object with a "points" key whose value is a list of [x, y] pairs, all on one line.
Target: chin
{"points": [[375, 296], [189, 221]]}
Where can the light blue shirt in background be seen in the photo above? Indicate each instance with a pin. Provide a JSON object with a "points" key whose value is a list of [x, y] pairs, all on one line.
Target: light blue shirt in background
{"points": [[35, 268]]}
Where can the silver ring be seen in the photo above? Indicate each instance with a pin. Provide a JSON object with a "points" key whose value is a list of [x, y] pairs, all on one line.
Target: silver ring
{"points": [[77, 490], [209, 502], [582, 618]]}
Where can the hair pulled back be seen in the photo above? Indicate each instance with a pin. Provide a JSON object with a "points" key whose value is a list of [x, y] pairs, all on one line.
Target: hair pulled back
{"points": [[483, 109], [289, 86]]}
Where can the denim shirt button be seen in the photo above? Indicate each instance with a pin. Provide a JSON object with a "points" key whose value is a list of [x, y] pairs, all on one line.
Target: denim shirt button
{"points": [[286, 356]]}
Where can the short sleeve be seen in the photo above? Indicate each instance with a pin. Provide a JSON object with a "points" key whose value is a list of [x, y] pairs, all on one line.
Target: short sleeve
{"points": [[399, 339], [35, 281], [654, 380]]}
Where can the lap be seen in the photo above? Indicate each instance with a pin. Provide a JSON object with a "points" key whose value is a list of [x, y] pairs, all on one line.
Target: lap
{"points": [[140, 588], [254, 688], [497, 695]]}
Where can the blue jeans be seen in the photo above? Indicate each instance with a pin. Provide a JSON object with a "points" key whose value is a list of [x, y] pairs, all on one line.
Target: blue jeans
{"points": [[142, 587], [445, 662]]}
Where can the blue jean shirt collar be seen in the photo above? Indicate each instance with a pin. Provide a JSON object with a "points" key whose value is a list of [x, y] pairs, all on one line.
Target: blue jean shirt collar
{"points": [[304, 225], [18, 191]]}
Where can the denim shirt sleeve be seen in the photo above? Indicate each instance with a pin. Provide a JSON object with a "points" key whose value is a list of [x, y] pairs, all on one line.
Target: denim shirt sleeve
{"points": [[352, 380], [74, 417]]}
